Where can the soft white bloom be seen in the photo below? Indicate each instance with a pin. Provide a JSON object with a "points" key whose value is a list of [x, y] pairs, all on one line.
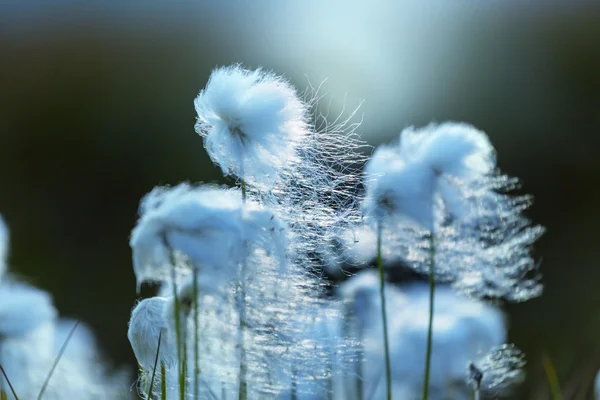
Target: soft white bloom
{"points": [[462, 330], [3, 246], [251, 122], [204, 227], [30, 338], [445, 160], [145, 327]]}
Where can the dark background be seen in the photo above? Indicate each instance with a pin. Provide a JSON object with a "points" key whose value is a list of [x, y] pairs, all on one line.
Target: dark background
{"points": [[96, 108]]}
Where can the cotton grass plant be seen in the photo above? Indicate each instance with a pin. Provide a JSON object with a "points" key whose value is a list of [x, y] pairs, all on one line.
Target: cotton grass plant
{"points": [[246, 308], [44, 356]]}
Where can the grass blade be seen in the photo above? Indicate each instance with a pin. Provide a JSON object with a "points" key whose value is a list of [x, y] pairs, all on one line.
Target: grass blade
{"points": [[58, 357], [388, 370], [551, 377], [9, 384], [155, 365]]}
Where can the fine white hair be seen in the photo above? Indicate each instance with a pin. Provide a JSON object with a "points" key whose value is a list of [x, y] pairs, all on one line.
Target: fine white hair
{"points": [[251, 122]]}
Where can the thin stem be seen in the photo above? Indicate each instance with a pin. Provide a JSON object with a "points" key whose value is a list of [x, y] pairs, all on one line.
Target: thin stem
{"points": [[431, 311], [180, 355], [293, 395], [196, 335], [359, 369], [9, 384], [241, 297], [163, 382], [243, 389], [552, 378], [388, 369], [60, 354], [155, 365], [476, 394]]}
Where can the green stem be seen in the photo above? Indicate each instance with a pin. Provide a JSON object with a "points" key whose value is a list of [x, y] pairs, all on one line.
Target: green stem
{"points": [[388, 369], [180, 355], [243, 386], [196, 335], [243, 389], [10, 386], [163, 382], [431, 311], [60, 354], [294, 395], [155, 366]]}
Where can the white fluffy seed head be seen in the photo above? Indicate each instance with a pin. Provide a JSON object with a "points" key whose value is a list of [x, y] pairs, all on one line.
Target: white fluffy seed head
{"points": [[406, 178], [463, 329], [23, 308], [145, 326], [251, 123], [204, 227]]}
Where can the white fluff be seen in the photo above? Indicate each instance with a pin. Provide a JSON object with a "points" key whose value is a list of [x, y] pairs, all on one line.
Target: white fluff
{"points": [[203, 227], [30, 338], [462, 330], [145, 327], [404, 178], [251, 122]]}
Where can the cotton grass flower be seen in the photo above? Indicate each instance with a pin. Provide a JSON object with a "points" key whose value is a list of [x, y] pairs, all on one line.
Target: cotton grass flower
{"points": [[31, 335], [205, 227], [444, 160], [463, 329], [251, 123]]}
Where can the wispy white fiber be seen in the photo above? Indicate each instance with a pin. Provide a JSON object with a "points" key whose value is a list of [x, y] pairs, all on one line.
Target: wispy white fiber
{"points": [[205, 227], [444, 161], [30, 338], [502, 369], [462, 330], [251, 122]]}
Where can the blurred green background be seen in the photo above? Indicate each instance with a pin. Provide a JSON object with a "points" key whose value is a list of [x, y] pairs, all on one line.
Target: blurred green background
{"points": [[96, 108]]}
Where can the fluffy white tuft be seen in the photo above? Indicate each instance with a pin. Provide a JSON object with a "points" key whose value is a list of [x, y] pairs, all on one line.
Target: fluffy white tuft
{"points": [[463, 329], [439, 160], [23, 308], [251, 122], [30, 338], [204, 227], [145, 327]]}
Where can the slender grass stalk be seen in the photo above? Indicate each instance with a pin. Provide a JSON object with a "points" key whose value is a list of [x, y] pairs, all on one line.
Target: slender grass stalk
{"points": [[241, 298], [294, 394], [3, 395], [58, 357], [10, 386], [358, 382], [476, 394], [552, 378], [178, 331], [155, 366], [163, 381], [196, 334], [359, 368], [388, 369], [431, 311]]}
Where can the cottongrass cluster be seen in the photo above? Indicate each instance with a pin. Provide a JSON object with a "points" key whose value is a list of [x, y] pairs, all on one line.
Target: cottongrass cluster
{"points": [[256, 299], [44, 356]]}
